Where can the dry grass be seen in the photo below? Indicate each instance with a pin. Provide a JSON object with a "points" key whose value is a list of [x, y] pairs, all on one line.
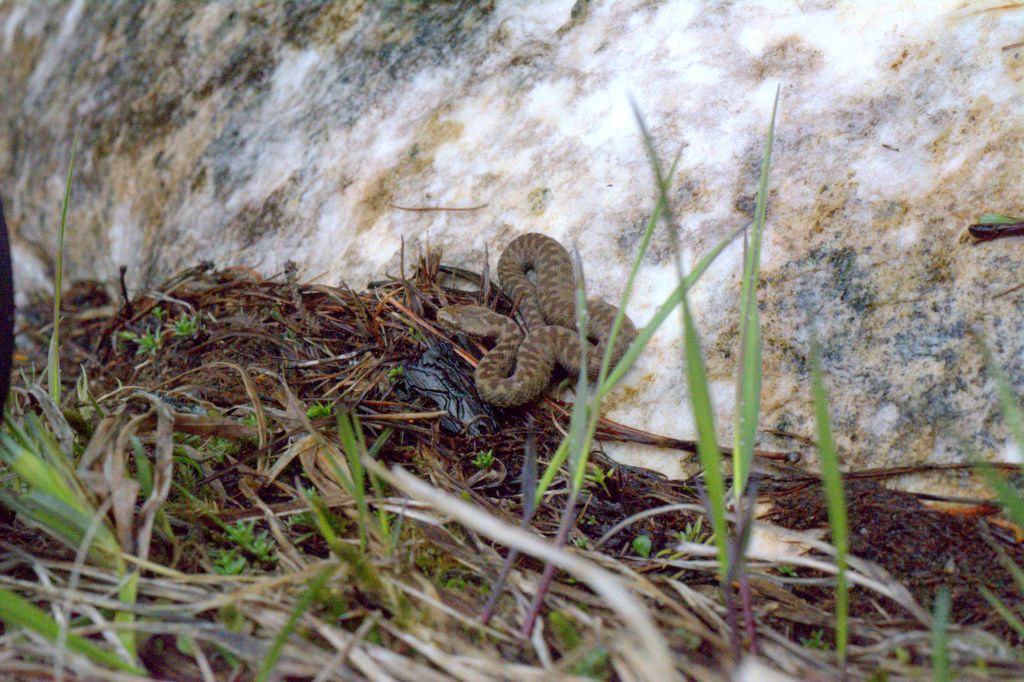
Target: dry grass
{"points": [[202, 425]]}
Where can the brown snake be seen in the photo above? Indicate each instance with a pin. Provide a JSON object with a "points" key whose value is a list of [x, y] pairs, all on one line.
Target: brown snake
{"points": [[519, 366]]}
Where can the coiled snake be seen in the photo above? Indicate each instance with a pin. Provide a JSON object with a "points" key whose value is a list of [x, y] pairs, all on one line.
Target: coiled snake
{"points": [[518, 368]]}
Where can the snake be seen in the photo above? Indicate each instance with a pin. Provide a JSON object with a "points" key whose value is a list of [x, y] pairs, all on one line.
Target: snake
{"points": [[518, 368]]}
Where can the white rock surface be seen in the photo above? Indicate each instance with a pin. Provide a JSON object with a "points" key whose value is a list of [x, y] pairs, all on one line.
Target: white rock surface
{"points": [[258, 136]]}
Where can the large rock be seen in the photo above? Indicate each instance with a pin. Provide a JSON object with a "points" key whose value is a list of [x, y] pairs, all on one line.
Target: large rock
{"points": [[292, 131]]}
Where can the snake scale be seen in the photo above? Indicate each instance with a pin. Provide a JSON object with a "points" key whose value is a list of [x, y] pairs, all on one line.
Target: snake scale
{"points": [[519, 366]]}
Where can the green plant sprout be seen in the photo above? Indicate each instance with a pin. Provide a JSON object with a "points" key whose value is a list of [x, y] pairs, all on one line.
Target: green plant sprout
{"points": [[484, 459], [642, 545], [693, 532], [228, 561], [319, 410], [258, 544], [816, 641], [600, 476], [186, 326]]}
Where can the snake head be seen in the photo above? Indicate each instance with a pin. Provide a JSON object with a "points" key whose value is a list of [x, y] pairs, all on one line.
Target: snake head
{"points": [[475, 320], [462, 318], [448, 317]]}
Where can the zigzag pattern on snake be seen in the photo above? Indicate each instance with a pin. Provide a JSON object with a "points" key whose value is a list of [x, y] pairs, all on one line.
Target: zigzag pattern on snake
{"points": [[519, 366]]}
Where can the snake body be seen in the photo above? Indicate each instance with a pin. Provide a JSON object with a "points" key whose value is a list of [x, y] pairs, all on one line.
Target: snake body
{"points": [[519, 366]]}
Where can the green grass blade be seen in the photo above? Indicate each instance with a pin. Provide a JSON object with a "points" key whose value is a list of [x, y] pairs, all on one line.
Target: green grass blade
{"points": [[998, 219], [20, 613], [301, 606], [1012, 412], [53, 358], [143, 467], [604, 385], [383, 515], [37, 473], [355, 481], [660, 180], [1011, 566], [33, 450], [66, 524], [707, 439], [54, 499], [627, 290], [128, 594], [363, 569], [696, 375], [644, 335], [940, 637], [1007, 614], [1007, 495], [748, 373], [45, 444], [579, 445], [664, 310], [834, 499], [550, 471], [748, 397]]}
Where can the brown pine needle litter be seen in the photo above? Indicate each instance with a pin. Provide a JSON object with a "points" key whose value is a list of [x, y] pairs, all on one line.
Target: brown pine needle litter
{"points": [[296, 481]]}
